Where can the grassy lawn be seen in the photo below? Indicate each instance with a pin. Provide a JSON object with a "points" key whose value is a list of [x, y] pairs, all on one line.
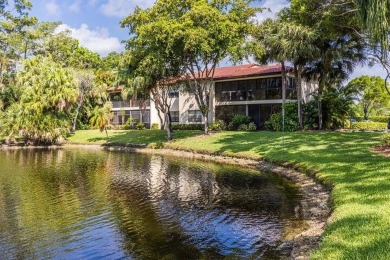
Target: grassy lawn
{"points": [[359, 227], [123, 137], [360, 223]]}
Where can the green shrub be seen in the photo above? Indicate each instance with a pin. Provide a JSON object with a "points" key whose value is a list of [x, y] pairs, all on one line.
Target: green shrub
{"points": [[252, 127], [187, 127], [239, 120], [130, 123], [369, 126], [379, 119], [275, 123], [243, 127], [385, 140], [217, 126], [155, 126], [140, 126]]}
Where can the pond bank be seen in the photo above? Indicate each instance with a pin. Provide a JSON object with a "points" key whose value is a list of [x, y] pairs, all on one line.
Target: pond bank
{"points": [[314, 203]]}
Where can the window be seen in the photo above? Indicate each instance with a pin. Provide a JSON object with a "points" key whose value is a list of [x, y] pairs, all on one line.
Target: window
{"points": [[194, 116], [175, 116], [173, 94]]}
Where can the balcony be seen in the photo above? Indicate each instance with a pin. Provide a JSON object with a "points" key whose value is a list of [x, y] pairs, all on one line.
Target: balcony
{"points": [[132, 103]]}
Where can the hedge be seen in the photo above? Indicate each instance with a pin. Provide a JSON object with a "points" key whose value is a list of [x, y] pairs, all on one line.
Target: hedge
{"points": [[380, 119], [386, 140], [369, 126], [187, 127]]}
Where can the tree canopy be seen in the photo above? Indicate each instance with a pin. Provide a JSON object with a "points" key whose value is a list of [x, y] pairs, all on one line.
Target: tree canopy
{"points": [[194, 36]]}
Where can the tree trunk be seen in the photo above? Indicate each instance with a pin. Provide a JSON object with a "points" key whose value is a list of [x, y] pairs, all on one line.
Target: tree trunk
{"points": [[168, 126], [299, 95], [283, 92], [206, 115], [320, 90], [365, 113], [206, 124], [105, 128], [75, 118]]}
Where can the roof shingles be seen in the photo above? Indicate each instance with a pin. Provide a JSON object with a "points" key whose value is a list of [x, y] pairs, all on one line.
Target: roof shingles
{"points": [[248, 70]]}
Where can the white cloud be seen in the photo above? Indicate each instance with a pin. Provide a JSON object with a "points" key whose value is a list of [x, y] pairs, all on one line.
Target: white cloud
{"points": [[75, 7], [52, 8], [275, 6], [97, 40], [376, 70], [122, 8]]}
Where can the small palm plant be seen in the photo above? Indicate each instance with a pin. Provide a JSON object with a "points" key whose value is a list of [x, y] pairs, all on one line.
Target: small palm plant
{"points": [[101, 117]]}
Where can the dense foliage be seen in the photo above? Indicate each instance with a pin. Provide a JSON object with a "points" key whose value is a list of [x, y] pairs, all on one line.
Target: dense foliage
{"points": [[369, 126], [370, 93], [288, 123], [41, 115]]}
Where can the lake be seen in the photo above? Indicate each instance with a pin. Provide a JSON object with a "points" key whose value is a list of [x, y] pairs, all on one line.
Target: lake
{"points": [[95, 204]]}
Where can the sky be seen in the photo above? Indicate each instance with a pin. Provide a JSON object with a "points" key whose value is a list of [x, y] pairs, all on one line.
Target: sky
{"points": [[96, 23]]}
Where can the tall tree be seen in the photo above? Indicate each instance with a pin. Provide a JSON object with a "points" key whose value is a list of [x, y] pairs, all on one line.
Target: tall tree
{"points": [[86, 89], [300, 41], [201, 32], [370, 93], [375, 15], [42, 114], [14, 19], [273, 40], [339, 41], [284, 41]]}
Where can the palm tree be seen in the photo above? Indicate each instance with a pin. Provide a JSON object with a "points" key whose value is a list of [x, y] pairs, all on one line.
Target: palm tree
{"points": [[337, 59], [272, 41], [101, 117], [375, 15], [299, 40]]}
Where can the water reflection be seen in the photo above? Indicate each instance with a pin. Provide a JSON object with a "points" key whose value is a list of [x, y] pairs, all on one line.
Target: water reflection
{"points": [[67, 204]]}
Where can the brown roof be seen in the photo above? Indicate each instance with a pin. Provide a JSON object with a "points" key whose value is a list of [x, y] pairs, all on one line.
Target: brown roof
{"points": [[232, 72], [248, 70]]}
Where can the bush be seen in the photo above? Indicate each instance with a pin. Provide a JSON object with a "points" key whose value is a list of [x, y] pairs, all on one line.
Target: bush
{"points": [[239, 120], [155, 126], [385, 140], [217, 126], [130, 123], [140, 126], [243, 127], [379, 119], [187, 127], [369, 126], [252, 127], [275, 123]]}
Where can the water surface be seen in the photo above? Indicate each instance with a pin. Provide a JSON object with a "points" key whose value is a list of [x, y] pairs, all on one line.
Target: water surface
{"points": [[87, 204]]}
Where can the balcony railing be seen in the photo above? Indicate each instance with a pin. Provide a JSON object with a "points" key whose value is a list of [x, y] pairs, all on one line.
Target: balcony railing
{"points": [[131, 103]]}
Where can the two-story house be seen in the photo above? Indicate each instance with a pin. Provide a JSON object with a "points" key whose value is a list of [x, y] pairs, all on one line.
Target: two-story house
{"points": [[253, 90]]}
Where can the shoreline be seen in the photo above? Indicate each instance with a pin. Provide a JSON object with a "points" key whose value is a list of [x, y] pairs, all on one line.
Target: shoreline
{"points": [[315, 196]]}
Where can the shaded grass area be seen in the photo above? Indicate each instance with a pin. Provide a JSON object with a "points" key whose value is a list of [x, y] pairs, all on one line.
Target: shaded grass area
{"points": [[126, 137], [359, 227], [360, 223]]}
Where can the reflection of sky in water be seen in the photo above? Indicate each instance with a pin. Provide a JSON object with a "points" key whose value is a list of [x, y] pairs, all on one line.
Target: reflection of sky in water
{"points": [[98, 205], [228, 231]]}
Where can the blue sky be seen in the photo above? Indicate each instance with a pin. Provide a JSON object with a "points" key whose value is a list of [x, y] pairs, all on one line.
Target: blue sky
{"points": [[95, 23]]}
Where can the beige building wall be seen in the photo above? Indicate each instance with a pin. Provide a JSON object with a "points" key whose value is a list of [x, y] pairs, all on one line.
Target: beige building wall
{"points": [[186, 101], [308, 89]]}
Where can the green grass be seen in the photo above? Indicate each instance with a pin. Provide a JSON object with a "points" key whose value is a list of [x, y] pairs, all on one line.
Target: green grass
{"points": [[360, 222], [359, 227], [124, 137]]}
